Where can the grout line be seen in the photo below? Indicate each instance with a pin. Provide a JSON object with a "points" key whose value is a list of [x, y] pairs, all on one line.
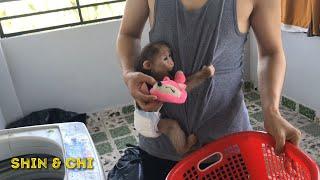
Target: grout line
{"points": [[297, 106]]}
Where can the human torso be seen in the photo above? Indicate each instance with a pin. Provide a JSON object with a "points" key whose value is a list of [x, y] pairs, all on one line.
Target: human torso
{"points": [[244, 10], [202, 33]]}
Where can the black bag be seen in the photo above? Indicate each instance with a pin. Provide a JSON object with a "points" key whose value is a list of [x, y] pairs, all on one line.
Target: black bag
{"points": [[48, 116], [129, 166]]}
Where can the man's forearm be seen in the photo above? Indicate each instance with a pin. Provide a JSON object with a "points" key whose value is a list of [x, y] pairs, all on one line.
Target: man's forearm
{"points": [[128, 49], [271, 73]]}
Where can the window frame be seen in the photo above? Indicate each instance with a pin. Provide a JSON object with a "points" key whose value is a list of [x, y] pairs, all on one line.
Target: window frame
{"points": [[78, 7]]}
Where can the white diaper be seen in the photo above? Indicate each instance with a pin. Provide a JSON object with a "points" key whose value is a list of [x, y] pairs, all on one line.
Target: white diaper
{"points": [[146, 123]]}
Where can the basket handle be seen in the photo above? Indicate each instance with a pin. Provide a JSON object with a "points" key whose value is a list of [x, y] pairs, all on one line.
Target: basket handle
{"points": [[212, 157]]}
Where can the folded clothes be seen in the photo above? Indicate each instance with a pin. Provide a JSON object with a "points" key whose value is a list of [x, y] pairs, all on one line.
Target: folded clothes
{"points": [[292, 28]]}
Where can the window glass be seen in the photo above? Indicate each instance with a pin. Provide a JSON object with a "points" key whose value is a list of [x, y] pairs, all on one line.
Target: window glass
{"points": [[13, 8], [55, 19], [85, 2], [39, 21], [102, 11]]}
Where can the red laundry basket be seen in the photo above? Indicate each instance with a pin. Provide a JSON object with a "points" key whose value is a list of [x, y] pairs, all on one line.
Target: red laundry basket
{"points": [[246, 155]]}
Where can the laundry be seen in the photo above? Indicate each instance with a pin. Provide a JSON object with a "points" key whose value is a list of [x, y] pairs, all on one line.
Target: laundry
{"points": [[48, 116], [301, 16]]}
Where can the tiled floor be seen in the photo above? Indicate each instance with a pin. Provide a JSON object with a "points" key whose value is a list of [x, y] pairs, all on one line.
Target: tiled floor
{"points": [[112, 129]]}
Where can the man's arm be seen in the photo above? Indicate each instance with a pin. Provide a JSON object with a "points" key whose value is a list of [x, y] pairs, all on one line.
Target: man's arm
{"points": [[129, 37], [128, 48], [265, 21]]}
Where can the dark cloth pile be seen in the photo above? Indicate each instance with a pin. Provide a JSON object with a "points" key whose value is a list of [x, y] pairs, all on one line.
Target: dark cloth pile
{"points": [[48, 116]]}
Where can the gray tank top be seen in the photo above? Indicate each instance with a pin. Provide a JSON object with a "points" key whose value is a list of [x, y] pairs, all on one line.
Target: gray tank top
{"points": [[208, 35]]}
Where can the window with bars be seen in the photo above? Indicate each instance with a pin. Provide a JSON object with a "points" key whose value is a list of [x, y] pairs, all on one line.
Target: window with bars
{"points": [[27, 16]]}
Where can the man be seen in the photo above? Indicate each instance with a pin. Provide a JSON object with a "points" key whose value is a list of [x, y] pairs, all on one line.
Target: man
{"points": [[201, 32]]}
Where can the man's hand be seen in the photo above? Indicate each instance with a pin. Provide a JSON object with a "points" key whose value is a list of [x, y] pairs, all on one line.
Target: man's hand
{"points": [[137, 85], [281, 130]]}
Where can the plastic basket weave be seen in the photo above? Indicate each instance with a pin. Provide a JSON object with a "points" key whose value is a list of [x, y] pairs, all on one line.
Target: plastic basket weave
{"points": [[246, 155]]}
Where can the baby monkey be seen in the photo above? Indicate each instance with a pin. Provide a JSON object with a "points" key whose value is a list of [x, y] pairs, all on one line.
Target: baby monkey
{"points": [[156, 61]]}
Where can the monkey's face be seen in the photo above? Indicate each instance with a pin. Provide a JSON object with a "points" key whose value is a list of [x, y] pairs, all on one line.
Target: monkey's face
{"points": [[163, 62]]}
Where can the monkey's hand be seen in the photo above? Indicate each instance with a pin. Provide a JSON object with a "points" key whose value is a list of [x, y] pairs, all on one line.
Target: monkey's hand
{"points": [[208, 71], [199, 77]]}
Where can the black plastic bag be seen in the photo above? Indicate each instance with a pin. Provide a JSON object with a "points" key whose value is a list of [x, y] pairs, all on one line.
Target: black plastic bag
{"points": [[48, 116], [129, 166]]}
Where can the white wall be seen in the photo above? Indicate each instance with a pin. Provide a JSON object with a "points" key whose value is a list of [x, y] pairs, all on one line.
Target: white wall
{"points": [[2, 121], [74, 69], [253, 58], [303, 68], [9, 103]]}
